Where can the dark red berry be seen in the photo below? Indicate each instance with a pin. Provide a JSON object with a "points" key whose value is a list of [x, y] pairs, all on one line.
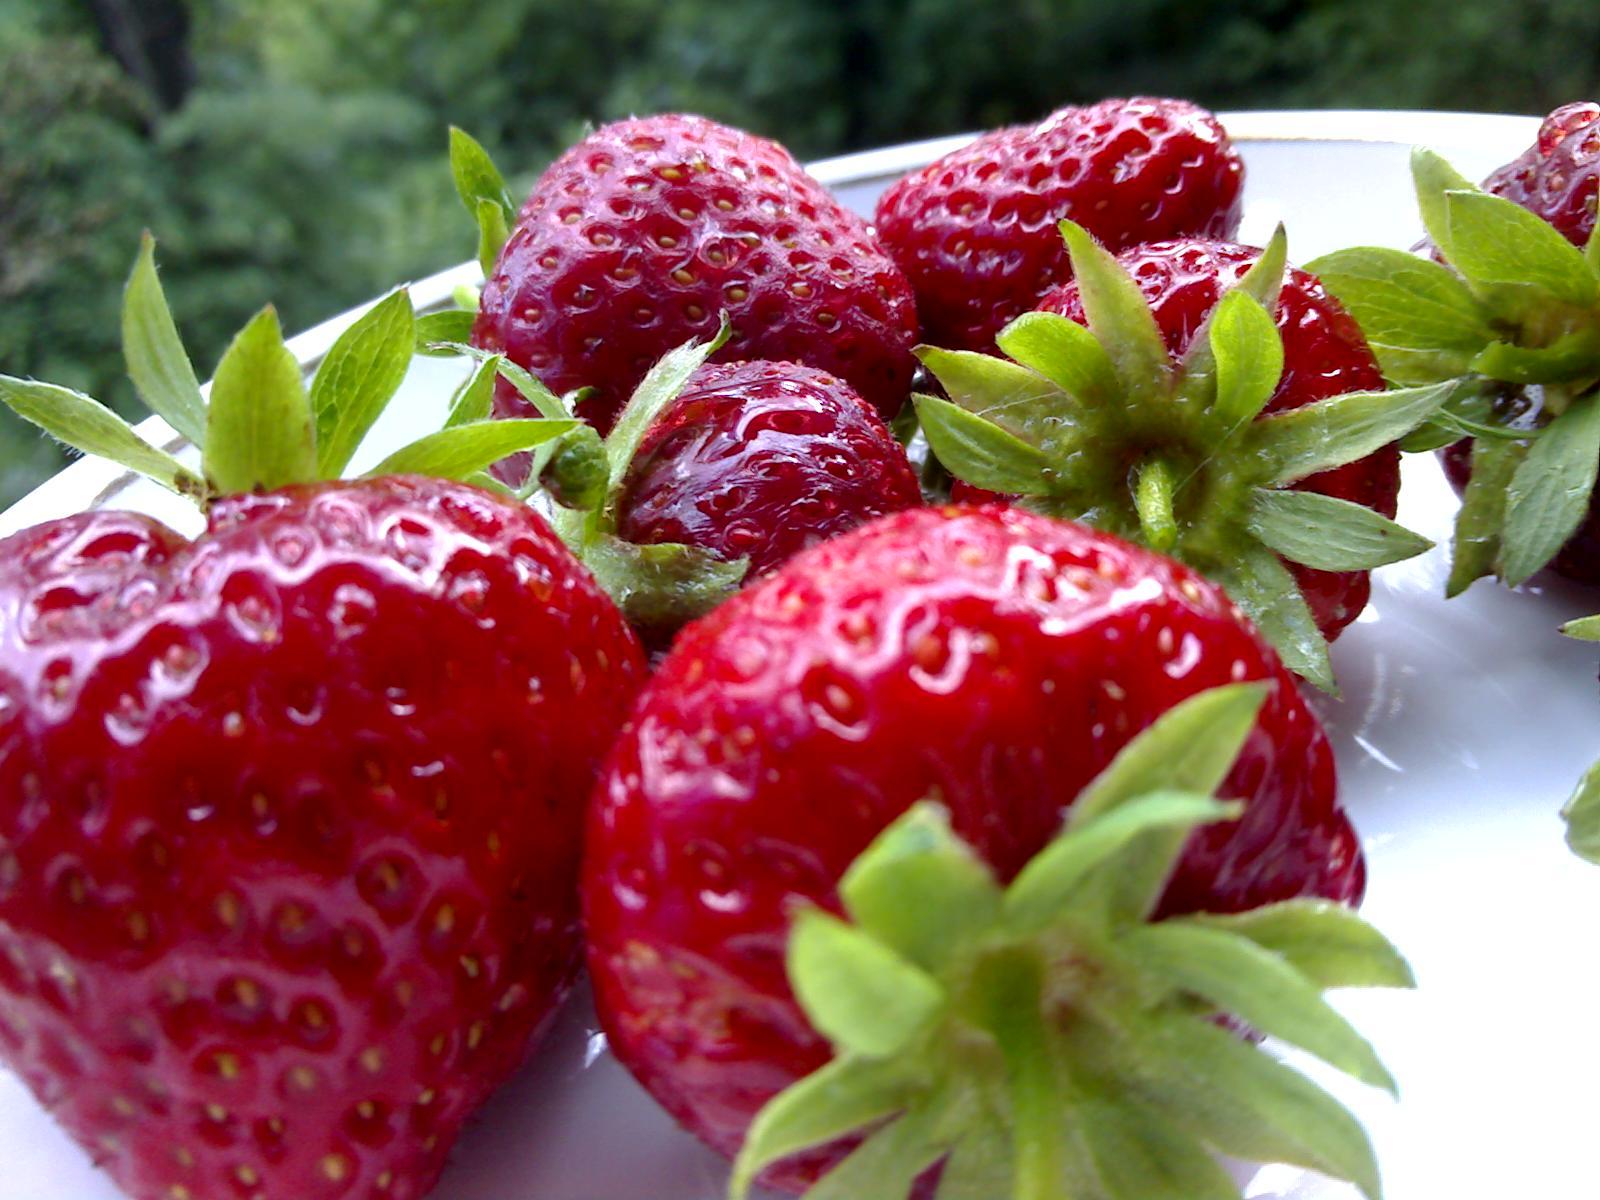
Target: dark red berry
{"points": [[1558, 177]]}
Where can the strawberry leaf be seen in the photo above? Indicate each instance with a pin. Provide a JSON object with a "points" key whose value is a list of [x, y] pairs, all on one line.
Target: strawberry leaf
{"points": [[1496, 243], [1433, 177], [474, 400], [84, 424], [1582, 815], [1330, 433], [1572, 358], [856, 991], [1261, 585], [1585, 628], [1118, 316], [1243, 1103], [1421, 321], [1476, 544], [839, 1098], [1062, 351], [921, 889], [980, 452], [483, 190], [157, 362], [358, 378], [1326, 942], [1549, 493], [259, 429], [1248, 357], [1327, 533], [462, 450], [436, 331]]}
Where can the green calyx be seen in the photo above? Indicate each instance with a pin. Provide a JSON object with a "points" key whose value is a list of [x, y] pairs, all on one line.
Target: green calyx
{"points": [[1582, 811], [262, 426], [1098, 424], [1048, 1039], [1513, 323], [658, 587]]}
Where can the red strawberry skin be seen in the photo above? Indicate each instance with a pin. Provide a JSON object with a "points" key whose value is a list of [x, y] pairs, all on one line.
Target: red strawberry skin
{"points": [[640, 235], [1558, 177], [281, 898], [1324, 355], [989, 657], [759, 460], [975, 231]]}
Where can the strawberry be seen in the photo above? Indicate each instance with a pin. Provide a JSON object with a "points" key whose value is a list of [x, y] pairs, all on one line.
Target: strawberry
{"points": [[638, 236], [1507, 314], [991, 659], [759, 460], [975, 231], [282, 900], [1199, 397]]}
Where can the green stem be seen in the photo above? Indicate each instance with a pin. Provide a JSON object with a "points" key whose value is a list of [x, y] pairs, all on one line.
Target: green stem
{"points": [[1152, 497], [1011, 985]]}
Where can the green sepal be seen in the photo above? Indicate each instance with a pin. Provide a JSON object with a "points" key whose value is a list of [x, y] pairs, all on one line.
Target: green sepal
{"points": [[84, 424], [1549, 493], [1423, 323], [862, 995], [359, 376], [1573, 358], [545, 402], [657, 586], [1582, 815], [463, 450], [1119, 317], [1496, 243], [921, 889], [577, 474], [659, 387], [1475, 546], [474, 399], [1468, 413], [1330, 433], [1243, 1103], [156, 360], [978, 451], [1591, 249], [1247, 356], [438, 332], [1264, 280], [1584, 628], [1326, 942], [1434, 178], [1261, 585], [1327, 533], [839, 1098], [1134, 1153], [260, 433], [887, 1163], [483, 190], [1262, 283], [1064, 352]]}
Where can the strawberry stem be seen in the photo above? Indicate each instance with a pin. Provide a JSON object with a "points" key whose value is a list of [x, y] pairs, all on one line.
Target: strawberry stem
{"points": [[1154, 486], [1010, 986]]}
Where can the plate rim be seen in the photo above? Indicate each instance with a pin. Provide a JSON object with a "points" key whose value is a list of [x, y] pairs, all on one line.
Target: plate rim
{"points": [[89, 482]]}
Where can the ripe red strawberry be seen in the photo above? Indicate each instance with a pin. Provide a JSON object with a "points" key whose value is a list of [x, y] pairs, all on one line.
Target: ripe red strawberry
{"points": [[637, 237], [281, 899], [1558, 177], [1324, 355], [975, 232], [989, 658], [1199, 397], [758, 460]]}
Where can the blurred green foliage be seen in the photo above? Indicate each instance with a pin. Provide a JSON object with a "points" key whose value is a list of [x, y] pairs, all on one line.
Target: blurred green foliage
{"points": [[293, 150]]}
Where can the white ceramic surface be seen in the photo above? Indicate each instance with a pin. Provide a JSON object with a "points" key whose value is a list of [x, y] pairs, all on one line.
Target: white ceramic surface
{"points": [[1462, 729]]}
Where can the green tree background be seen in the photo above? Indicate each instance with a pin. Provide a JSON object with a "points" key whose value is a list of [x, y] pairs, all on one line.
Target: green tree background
{"points": [[292, 150]]}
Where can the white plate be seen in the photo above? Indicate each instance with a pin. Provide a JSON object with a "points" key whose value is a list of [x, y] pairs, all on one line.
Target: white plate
{"points": [[1463, 727]]}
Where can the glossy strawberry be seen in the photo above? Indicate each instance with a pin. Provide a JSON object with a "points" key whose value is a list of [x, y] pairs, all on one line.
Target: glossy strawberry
{"points": [[282, 900], [1558, 177], [758, 460], [1324, 355], [975, 231], [988, 658], [637, 237]]}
